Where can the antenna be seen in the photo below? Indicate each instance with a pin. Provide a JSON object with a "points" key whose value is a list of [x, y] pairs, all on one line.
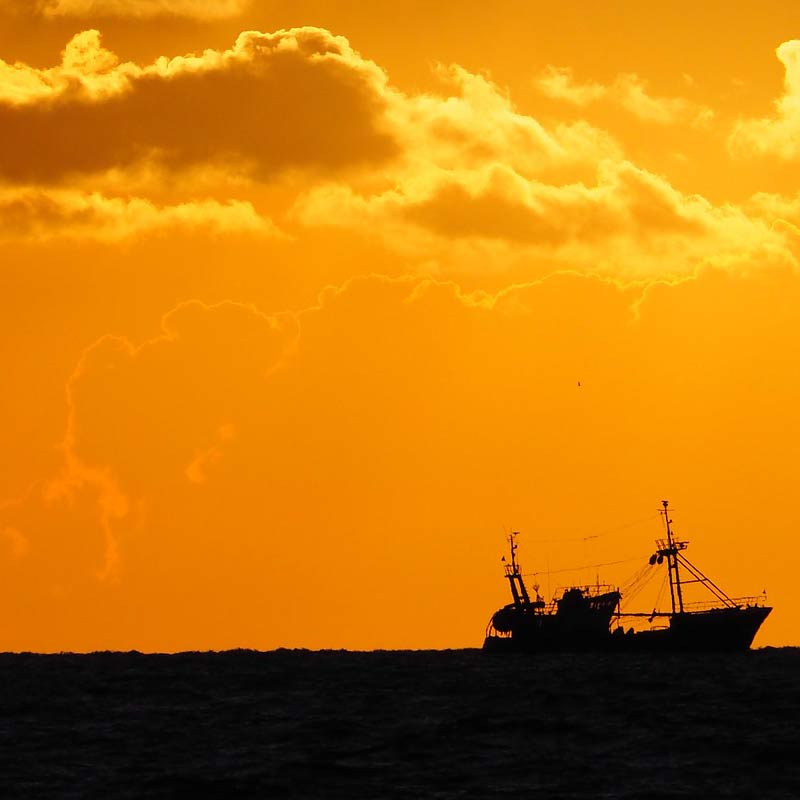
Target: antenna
{"points": [[669, 549]]}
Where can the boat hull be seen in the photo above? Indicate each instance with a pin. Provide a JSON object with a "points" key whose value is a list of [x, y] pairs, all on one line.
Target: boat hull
{"points": [[720, 630]]}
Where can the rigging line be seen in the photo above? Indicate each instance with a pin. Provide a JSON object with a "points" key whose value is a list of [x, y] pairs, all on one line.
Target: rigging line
{"points": [[661, 591], [577, 569], [622, 527], [634, 591], [606, 532], [638, 578], [639, 572], [629, 597], [642, 581]]}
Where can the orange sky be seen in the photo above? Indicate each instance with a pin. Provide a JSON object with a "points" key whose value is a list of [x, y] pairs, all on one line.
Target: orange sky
{"points": [[296, 298]]}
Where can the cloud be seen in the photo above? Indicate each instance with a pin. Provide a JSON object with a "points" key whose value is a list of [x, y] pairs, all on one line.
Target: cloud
{"points": [[628, 223], [479, 186], [460, 178], [115, 377], [775, 207], [42, 213], [293, 99], [559, 83], [173, 394], [628, 91], [298, 98], [779, 134], [194, 9], [501, 205], [476, 124], [202, 464]]}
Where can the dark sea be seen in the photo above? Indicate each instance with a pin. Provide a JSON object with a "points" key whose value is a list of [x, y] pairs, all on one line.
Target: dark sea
{"points": [[446, 724]]}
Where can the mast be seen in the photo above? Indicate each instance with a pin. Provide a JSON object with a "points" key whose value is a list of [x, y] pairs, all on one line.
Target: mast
{"points": [[518, 590], [671, 554], [671, 549]]}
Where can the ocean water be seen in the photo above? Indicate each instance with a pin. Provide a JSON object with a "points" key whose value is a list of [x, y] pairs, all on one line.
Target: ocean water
{"points": [[447, 724]]}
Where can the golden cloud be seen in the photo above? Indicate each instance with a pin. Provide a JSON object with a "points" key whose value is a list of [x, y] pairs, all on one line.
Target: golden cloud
{"points": [[461, 178], [237, 107], [478, 185], [349, 113], [39, 213], [778, 135], [628, 91], [559, 83], [646, 227], [477, 124]]}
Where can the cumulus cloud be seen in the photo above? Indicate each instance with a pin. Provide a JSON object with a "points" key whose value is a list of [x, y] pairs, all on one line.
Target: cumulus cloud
{"points": [[479, 183], [195, 9], [628, 222], [293, 99], [459, 174], [628, 91], [477, 123], [273, 101], [499, 204], [777, 135], [41, 213]]}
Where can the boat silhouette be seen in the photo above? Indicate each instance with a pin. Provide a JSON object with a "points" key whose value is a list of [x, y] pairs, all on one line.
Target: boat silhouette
{"points": [[590, 618]]}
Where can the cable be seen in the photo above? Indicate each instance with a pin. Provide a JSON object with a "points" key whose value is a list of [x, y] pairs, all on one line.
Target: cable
{"points": [[599, 535], [577, 569]]}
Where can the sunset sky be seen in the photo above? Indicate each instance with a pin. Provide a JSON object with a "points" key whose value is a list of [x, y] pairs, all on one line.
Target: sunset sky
{"points": [[306, 304]]}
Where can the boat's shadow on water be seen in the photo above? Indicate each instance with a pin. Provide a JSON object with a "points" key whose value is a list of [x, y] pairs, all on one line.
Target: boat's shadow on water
{"points": [[400, 724]]}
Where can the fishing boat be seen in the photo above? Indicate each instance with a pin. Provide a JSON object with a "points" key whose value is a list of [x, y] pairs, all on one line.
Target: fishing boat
{"points": [[590, 618]]}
